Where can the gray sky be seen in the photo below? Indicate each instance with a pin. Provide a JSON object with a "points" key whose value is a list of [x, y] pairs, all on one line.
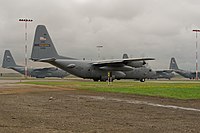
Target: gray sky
{"points": [[153, 28]]}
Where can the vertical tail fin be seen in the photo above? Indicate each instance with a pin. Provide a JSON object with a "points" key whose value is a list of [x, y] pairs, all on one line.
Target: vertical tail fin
{"points": [[8, 60], [125, 56], [43, 46], [173, 64]]}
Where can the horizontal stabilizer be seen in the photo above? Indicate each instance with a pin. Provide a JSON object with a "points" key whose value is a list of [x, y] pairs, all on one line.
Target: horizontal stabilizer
{"points": [[44, 60]]}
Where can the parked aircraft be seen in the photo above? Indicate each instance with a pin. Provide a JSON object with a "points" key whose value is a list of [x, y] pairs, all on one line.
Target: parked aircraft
{"points": [[167, 74], [9, 62], [44, 51], [184, 73]]}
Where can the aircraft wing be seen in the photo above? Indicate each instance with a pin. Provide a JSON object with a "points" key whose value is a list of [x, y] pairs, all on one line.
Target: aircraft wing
{"points": [[119, 61], [117, 64], [45, 69]]}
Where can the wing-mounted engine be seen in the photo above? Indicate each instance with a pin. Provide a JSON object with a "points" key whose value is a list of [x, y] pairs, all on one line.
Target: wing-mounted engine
{"points": [[136, 64], [116, 68]]}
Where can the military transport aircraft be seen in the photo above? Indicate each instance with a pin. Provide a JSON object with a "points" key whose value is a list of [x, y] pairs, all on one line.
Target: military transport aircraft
{"points": [[184, 73], [164, 74], [44, 51], [9, 62], [167, 74]]}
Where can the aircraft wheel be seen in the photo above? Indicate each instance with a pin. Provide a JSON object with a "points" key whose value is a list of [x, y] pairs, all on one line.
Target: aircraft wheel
{"points": [[95, 80], [142, 80], [40, 77]]}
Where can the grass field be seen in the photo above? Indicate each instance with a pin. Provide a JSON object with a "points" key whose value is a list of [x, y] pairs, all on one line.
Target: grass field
{"points": [[176, 90]]}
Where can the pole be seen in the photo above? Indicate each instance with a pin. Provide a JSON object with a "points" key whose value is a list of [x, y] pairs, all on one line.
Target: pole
{"points": [[196, 53], [26, 55], [26, 45], [98, 47], [196, 57]]}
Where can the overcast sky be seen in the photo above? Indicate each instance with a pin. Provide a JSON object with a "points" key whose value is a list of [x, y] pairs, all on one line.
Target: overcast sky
{"points": [[140, 28]]}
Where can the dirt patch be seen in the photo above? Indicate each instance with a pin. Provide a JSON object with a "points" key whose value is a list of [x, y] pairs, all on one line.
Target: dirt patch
{"points": [[29, 108], [25, 88]]}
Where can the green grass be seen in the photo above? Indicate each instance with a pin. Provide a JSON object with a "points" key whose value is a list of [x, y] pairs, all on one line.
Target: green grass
{"points": [[176, 90]]}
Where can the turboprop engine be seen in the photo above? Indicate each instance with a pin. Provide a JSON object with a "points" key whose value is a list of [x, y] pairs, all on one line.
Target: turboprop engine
{"points": [[136, 64]]}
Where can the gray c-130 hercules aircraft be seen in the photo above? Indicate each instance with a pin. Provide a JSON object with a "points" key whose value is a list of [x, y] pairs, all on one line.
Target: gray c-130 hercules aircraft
{"points": [[9, 63], [44, 51], [184, 73]]}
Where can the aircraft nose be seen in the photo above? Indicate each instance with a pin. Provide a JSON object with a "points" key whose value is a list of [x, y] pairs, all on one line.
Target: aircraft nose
{"points": [[152, 73]]}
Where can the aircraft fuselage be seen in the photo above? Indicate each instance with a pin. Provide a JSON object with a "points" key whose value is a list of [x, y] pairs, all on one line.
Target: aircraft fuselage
{"points": [[85, 69]]}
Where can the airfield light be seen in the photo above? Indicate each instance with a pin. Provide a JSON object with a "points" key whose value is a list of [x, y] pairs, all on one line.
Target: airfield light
{"points": [[25, 20], [196, 53], [99, 47]]}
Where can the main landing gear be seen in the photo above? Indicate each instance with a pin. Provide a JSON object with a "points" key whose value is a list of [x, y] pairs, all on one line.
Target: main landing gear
{"points": [[142, 80]]}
